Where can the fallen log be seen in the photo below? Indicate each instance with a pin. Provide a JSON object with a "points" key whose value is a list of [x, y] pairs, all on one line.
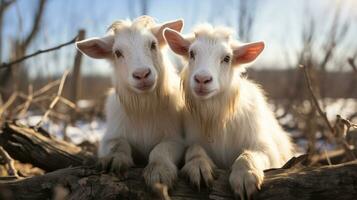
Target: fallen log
{"points": [[334, 157], [38, 148], [327, 182], [292, 181]]}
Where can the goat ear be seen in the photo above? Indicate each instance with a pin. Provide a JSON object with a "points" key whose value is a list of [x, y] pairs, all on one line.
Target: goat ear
{"points": [[177, 43], [158, 31], [247, 53], [97, 47]]}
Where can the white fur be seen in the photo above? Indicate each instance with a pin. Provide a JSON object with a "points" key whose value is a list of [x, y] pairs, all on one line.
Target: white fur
{"points": [[251, 126], [141, 125], [233, 124]]}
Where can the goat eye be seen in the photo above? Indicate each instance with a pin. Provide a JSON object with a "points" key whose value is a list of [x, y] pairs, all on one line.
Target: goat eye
{"points": [[153, 46], [118, 53], [226, 59], [192, 55]]}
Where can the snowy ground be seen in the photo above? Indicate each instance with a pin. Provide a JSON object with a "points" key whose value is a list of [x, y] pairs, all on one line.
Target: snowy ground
{"points": [[343, 107], [81, 131], [94, 130]]}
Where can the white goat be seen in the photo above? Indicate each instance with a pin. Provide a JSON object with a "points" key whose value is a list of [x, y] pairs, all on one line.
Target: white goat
{"points": [[226, 115], [144, 113]]}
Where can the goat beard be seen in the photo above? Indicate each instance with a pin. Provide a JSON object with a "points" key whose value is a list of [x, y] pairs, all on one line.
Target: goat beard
{"points": [[145, 104], [141, 104], [211, 114]]}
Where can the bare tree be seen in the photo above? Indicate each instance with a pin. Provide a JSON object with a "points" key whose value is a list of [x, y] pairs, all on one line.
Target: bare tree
{"points": [[316, 54], [19, 47], [143, 7], [246, 18], [4, 5], [245, 12]]}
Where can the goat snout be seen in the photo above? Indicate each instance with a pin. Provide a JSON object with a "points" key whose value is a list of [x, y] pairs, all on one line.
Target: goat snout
{"points": [[141, 74], [203, 79]]}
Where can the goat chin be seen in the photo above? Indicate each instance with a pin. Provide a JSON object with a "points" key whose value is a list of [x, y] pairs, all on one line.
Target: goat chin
{"points": [[142, 127], [144, 120], [228, 125]]}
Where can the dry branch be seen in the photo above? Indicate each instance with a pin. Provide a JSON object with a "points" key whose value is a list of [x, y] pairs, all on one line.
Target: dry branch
{"points": [[315, 101], [37, 98], [36, 24], [332, 157], [351, 61], [8, 103], [34, 146], [290, 182], [9, 162], [75, 79], [4, 5], [333, 131], [7, 65], [55, 100]]}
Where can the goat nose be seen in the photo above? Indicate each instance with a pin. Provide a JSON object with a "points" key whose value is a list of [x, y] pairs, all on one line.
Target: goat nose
{"points": [[203, 79], [141, 73]]}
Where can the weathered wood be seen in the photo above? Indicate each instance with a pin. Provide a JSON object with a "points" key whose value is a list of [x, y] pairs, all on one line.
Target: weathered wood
{"points": [[293, 181], [20, 141], [327, 182], [335, 156], [75, 77], [36, 147]]}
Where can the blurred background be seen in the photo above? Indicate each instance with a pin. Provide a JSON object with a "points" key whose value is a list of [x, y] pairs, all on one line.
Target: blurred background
{"points": [[319, 34]]}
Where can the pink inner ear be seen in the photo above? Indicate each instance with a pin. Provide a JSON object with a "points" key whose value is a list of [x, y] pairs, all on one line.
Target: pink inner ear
{"points": [[94, 50], [98, 50], [252, 53], [177, 25], [177, 43], [248, 53], [181, 50]]}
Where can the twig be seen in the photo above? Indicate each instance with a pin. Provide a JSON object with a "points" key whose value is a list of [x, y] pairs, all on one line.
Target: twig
{"points": [[327, 157], [47, 87], [332, 132], [6, 4], [9, 162], [68, 103], [8, 103], [351, 61], [35, 24], [35, 102], [314, 99], [7, 65], [36, 96], [55, 100], [53, 114], [347, 122], [20, 107], [28, 101]]}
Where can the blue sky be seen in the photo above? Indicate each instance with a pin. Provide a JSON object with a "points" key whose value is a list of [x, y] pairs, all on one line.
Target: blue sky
{"points": [[278, 23]]}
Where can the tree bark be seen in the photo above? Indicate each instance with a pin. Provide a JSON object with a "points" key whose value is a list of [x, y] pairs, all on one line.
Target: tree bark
{"points": [[38, 148], [75, 78], [293, 181], [327, 182]]}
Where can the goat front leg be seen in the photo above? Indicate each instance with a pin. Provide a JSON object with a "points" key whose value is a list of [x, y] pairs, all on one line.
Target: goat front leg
{"points": [[198, 166], [247, 173], [119, 159], [162, 166]]}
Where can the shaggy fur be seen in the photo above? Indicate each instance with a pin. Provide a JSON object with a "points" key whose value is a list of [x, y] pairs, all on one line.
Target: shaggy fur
{"points": [[235, 127], [141, 126]]}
